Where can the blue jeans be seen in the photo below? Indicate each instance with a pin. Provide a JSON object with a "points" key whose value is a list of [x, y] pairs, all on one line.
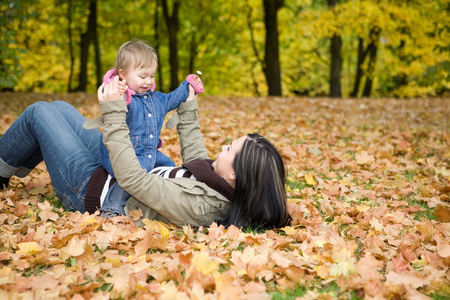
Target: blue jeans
{"points": [[115, 199], [52, 132]]}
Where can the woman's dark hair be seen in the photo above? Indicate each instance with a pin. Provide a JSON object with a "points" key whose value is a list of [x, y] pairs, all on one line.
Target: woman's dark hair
{"points": [[259, 199]]}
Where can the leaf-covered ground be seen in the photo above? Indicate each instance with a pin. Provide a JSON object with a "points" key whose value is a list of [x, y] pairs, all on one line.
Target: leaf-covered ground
{"points": [[369, 193]]}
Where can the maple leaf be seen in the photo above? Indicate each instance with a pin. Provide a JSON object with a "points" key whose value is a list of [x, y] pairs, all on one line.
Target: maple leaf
{"points": [[204, 264], [157, 226], [136, 214], [401, 265], [310, 179], [364, 158], [29, 248], [408, 279], [442, 213]]}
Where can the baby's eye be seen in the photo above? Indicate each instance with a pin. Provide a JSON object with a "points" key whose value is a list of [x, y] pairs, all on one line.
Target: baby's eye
{"points": [[142, 77]]}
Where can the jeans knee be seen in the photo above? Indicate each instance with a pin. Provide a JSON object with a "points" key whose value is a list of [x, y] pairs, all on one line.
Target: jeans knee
{"points": [[37, 107], [39, 110], [59, 104]]}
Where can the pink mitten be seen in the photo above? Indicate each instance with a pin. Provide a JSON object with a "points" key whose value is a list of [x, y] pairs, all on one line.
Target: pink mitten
{"points": [[197, 89]]}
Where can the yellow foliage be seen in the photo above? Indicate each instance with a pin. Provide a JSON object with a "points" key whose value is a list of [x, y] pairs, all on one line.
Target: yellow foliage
{"points": [[31, 248], [204, 264]]}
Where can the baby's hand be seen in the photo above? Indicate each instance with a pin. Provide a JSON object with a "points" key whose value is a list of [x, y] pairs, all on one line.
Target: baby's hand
{"points": [[123, 87], [192, 95]]}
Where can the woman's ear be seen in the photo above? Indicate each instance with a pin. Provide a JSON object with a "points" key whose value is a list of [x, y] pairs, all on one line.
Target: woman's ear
{"points": [[232, 176]]}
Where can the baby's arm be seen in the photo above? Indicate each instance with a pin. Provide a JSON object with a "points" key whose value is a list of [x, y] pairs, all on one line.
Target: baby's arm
{"points": [[174, 99]]}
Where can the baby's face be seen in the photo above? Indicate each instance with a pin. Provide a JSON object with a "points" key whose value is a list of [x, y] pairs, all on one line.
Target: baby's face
{"points": [[140, 79]]}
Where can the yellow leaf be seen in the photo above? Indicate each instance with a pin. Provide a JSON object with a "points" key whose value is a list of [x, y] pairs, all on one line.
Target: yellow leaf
{"points": [[114, 261], [157, 226], [310, 179], [5, 271], [376, 225], [242, 272], [289, 230], [29, 248], [419, 263], [345, 268], [364, 158], [322, 271], [204, 264], [76, 246], [320, 243], [88, 221], [38, 191], [362, 208], [200, 246]]}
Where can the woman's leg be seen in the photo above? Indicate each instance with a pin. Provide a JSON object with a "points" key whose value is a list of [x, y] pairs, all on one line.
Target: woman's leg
{"points": [[89, 137], [52, 131]]}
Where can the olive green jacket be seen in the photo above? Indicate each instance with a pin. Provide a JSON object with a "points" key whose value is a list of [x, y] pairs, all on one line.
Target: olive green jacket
{"points": [[180, 201]]}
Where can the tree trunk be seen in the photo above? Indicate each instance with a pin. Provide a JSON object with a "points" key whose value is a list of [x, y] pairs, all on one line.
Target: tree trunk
{"points": [[98, 60], [69, 34], [192, 53], [172, 22], [84, 51], [271, 68], [372, 50], [359, 70], [84, 45], [255, 50], [157, 43], [336, 60]]}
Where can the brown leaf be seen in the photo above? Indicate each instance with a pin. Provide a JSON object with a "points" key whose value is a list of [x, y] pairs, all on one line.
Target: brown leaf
{"points": [[442, 213], [136, 214]]}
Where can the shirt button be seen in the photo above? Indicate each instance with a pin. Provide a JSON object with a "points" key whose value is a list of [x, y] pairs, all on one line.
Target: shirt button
{"points": [[149, 115], [149, 156], [145, 97], [151, 136]]}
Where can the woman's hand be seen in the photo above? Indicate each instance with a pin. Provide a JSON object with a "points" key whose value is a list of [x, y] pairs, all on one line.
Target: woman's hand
{"points": [[110, 91]]}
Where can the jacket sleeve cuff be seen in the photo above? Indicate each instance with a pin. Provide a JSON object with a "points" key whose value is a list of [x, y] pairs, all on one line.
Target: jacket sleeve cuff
{"points": [[187, 111], [113, 112]]}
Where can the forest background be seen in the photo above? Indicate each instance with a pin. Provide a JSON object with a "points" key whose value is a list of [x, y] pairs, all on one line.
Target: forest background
{"points": [[310, 48]]}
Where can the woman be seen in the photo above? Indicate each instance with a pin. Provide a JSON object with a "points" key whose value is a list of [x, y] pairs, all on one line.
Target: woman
{"points": [[243, 187]]}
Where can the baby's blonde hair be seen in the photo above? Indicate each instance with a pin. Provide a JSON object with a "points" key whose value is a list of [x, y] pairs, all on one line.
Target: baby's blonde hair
{"points": [[135, 54]]}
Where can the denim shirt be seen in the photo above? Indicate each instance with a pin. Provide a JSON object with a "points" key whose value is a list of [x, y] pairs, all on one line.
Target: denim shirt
{"points": [[145, 118]]}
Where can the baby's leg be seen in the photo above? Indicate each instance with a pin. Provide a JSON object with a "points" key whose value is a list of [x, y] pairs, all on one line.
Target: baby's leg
{"points": [[114, 202]]}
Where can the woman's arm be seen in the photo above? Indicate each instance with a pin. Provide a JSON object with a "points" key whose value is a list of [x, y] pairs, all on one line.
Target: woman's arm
{"points": [[188, 127]]}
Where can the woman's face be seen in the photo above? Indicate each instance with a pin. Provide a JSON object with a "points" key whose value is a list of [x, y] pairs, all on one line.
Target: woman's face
{"points": [[223, 166]]}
